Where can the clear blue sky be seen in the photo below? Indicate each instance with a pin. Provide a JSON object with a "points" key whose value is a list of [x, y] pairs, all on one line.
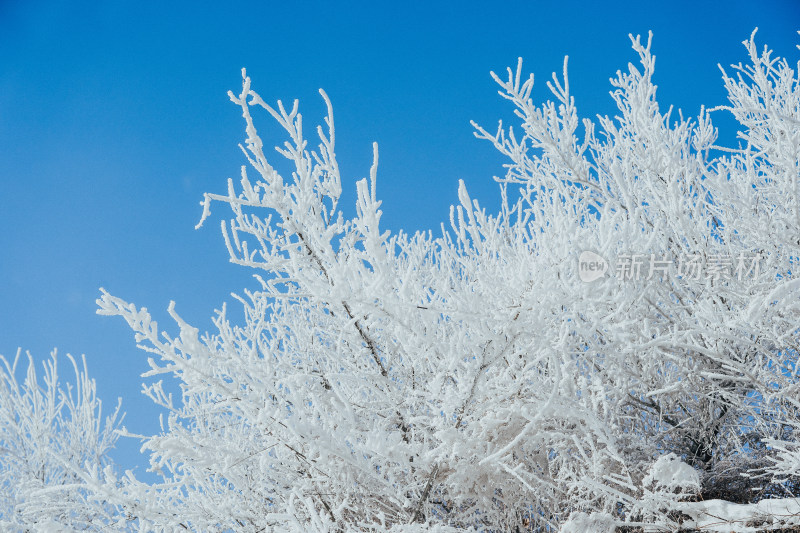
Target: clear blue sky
{"points": [[114, 120]]}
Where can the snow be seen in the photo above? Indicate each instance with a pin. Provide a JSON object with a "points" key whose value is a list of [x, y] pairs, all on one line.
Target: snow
{"points": [[723, 516], [596, 522], [670, 473]]}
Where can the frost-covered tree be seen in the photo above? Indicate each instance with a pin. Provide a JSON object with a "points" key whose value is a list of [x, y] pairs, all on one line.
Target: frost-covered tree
{"points": [[52, 438], [486, 378]]}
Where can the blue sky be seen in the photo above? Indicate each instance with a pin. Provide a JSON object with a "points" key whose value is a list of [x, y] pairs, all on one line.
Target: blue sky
{"points": [[114, 120]]}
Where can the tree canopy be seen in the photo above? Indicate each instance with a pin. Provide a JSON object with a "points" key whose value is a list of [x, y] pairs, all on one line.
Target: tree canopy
{"points": [[615, 340]]}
